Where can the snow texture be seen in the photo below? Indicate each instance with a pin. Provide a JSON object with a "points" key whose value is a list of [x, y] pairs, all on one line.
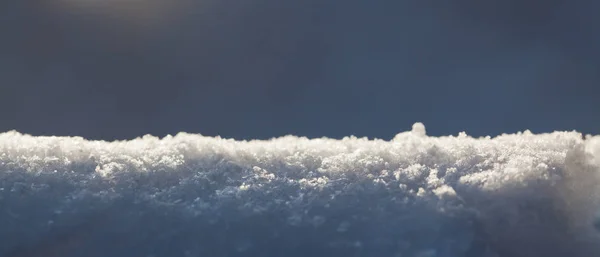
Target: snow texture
{"points": [[187, 195]]}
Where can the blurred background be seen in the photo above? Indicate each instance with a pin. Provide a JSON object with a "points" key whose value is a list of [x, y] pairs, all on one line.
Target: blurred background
{"points": [[118, 69]]}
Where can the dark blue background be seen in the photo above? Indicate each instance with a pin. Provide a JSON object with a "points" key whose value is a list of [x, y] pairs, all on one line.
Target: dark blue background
{"points": [[266, 68]]}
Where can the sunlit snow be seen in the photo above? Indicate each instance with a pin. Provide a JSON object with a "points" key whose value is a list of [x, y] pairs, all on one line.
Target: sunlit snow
{"points": [[513, 195]]}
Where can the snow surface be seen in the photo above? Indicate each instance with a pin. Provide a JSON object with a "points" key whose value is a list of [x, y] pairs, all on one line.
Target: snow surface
{"points": [[189, 195]]}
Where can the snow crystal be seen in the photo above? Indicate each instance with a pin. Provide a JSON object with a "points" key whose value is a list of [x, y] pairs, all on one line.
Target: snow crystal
{"points": [[522, 194], [418, 129]]}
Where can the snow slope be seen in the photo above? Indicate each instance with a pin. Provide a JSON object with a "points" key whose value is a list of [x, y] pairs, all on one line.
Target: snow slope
{"points": [[189, 195]]}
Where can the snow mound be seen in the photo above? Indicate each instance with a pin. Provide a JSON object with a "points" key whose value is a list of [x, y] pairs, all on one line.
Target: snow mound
{"points": [[513, 195]]}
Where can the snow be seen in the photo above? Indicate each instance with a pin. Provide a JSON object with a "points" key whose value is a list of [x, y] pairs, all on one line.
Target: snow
{"points": [[513, 195]]}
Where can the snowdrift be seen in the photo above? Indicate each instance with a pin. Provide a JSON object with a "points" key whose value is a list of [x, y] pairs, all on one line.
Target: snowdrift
{"points": [[187, 195]]}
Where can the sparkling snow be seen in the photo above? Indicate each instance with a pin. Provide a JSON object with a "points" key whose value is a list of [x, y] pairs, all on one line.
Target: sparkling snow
{"points": [[414, 196]]}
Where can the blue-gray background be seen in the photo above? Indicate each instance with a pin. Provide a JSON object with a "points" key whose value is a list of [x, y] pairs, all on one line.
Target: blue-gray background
{"points": [[263, 68]]}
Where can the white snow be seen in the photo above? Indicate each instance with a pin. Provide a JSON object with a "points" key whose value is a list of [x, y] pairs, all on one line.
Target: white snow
{"points": [[513, 195]]}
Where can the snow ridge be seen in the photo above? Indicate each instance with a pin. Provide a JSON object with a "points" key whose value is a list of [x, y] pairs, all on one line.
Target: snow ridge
{"points": [[513, 195]]}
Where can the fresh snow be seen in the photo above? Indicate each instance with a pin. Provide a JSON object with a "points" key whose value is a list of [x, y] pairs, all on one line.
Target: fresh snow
{"points": [[517, 195]]}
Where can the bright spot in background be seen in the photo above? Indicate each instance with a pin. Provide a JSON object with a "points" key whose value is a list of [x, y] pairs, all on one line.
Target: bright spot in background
{"points": [[518, 194]]}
